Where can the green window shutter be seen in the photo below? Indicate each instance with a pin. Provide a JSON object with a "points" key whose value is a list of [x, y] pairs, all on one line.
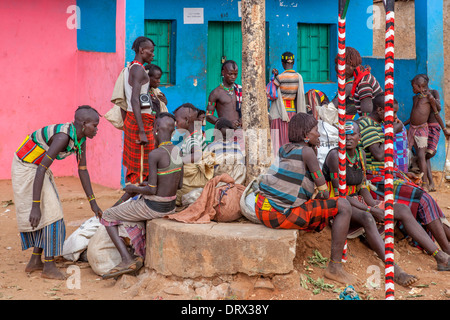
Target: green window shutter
{"points": [[313, 52], [160, 32]]}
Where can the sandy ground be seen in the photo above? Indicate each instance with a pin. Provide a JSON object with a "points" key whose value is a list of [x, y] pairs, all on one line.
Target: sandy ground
{"points": [[84, 284]]}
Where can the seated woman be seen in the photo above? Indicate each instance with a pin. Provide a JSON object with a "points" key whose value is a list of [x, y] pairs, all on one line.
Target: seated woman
{"points": [[285, 199], [423, 207], [365, 210]]}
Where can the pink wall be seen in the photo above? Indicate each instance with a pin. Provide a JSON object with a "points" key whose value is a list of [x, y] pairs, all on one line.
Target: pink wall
{"points": [[96, 75], [45, 78]]}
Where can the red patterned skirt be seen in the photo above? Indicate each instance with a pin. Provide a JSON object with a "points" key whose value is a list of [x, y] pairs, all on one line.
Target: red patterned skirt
{"points": [[132, 150], [313, 215]]}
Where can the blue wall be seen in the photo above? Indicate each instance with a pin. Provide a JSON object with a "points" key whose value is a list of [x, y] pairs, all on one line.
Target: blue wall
{"points": [[98, 26], [282, 18]]}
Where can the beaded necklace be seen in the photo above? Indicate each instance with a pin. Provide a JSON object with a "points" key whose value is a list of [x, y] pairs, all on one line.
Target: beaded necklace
{"points": [[228, 90], [165, 143], [77, 144], [352, 161], [135, 61]]}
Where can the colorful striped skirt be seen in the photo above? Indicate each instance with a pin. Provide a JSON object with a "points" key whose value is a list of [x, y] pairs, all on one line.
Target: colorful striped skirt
{"points": [[50, 238], [132, 150], [133, 214], [423, 207], [313, 215]]}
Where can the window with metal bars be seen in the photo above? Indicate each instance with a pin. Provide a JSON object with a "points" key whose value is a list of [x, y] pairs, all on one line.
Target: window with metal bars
{"points": [[162, 32]]}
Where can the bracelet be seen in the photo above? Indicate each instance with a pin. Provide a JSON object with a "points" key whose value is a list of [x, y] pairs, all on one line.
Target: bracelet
{"points": [[49, 157], [37, 201], [91, 198], [46, 168], [368, 209], [82, 167], [151, 186], [436, 252], [322, 187]]}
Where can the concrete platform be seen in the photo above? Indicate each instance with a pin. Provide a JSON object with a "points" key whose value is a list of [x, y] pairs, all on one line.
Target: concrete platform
{"points": [[213, 249]]}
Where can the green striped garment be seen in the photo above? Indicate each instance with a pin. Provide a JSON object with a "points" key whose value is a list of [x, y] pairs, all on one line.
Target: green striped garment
{"points": [[42, 136], [371, 132]]}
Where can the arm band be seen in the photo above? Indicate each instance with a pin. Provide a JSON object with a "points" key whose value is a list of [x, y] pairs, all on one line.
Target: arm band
{"points": [[316, 175], [82, 168]]}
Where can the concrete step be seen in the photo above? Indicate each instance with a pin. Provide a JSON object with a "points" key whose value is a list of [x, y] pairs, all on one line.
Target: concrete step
{"points": [[213, 249]]}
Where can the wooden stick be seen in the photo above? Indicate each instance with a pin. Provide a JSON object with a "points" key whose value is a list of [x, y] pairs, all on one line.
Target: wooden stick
{"points": [[141, 175]]}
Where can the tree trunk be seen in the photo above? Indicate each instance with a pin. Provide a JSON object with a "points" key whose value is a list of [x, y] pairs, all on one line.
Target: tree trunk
{"points": [[255, 121]]}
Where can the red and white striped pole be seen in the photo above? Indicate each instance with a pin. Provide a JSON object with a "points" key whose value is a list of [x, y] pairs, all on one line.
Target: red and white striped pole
{"points": [[389, 150], [343, 5]]}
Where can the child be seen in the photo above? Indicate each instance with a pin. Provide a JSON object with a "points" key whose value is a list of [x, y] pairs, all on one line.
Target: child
{"points": [[401, 151], [425, 110], [193, 142], [228, 154]]}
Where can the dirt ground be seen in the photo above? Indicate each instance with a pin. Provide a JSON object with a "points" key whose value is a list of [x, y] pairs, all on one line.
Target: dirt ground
{"points": [[306, 283]]}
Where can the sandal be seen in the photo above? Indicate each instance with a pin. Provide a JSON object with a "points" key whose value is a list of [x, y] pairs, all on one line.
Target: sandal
{"points": [[133, 267]]}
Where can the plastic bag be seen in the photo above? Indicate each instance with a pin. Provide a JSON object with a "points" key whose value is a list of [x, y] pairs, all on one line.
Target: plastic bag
{"points": [[271, 90]]}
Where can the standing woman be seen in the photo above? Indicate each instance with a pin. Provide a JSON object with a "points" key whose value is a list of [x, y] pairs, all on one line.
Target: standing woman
{"points": [[285, 199], [38, 207], [291, 100], [365, 86]]}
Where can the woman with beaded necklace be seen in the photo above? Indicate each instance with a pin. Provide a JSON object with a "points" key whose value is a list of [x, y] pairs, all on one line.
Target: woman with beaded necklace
{"points": [[366, 211], [293, 194]]}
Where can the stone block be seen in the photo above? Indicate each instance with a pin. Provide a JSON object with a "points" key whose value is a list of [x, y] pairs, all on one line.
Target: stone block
{"points": [[214, 249]]}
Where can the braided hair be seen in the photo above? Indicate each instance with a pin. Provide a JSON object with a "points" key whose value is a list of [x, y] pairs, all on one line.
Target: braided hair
{"points": [[299, 126], [139, 41]]}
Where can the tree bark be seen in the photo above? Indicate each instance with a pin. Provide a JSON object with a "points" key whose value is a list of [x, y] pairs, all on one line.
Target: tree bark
{"points": [[255, 120]]}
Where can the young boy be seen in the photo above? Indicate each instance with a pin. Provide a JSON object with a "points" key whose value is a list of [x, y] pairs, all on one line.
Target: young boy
{"points": [[425, 112], [193, 142], [401, 151], [229, 156], [157, 195]]}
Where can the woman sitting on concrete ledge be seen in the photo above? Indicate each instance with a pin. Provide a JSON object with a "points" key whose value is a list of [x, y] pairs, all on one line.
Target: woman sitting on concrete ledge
{"points": [[286, 200]]}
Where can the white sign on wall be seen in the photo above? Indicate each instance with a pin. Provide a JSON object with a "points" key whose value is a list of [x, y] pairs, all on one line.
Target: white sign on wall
{"points": [[193, 15]]}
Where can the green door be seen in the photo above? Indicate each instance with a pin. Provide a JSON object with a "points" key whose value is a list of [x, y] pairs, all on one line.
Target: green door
{"points": [[224, 43], [313, 52]]}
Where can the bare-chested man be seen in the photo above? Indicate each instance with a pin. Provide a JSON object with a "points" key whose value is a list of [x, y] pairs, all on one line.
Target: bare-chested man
{"points": [[226, 99], [424, 116]]}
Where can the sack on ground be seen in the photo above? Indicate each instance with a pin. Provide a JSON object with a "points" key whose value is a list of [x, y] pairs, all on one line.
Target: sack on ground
{"points": [[78, 241], [102, 254], [247, 202]]}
